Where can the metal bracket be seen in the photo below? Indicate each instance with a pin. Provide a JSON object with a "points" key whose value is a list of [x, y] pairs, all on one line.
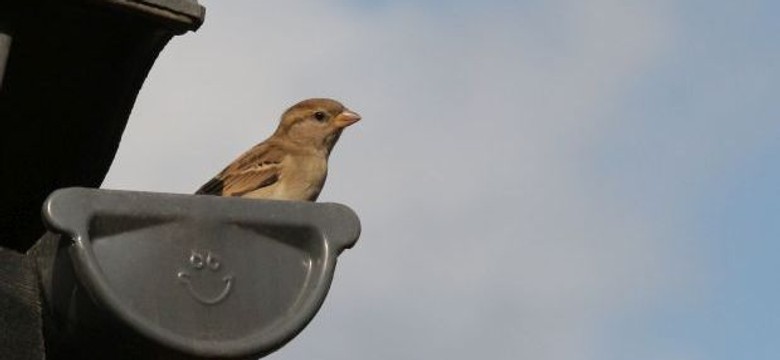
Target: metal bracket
{"points": [[205, 276]]}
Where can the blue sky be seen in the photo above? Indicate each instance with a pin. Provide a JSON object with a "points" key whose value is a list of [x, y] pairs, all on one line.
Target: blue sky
{"points": [[544, 180], [713, 93]]}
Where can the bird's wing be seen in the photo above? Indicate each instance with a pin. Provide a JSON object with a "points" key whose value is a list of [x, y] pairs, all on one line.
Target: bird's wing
{"points": [[257, 168]]}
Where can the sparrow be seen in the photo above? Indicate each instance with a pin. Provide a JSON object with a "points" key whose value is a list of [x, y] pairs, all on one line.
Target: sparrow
{"points": [[292, 163]]}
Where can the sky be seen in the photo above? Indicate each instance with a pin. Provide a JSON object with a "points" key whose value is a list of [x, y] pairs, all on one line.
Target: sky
{"points": [[560, 179]]}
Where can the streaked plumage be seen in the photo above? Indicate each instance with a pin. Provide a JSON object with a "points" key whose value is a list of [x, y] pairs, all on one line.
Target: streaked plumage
{"points": [[292, 164]]}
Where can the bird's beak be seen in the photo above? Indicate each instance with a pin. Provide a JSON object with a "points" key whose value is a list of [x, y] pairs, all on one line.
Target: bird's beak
{"points": [[346, 118]]}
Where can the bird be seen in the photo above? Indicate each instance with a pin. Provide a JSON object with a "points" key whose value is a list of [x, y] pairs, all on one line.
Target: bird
{"points": [[292, 163]]}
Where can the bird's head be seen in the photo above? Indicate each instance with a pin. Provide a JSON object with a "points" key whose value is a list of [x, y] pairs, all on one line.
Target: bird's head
{"points": [[316, 122]]}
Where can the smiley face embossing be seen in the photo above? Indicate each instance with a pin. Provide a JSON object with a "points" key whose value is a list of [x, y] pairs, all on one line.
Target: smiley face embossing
{"points": [[204, 265]]}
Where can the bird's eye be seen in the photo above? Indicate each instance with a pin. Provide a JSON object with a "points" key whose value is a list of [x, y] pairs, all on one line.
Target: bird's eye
{"points": [[319, 115]]}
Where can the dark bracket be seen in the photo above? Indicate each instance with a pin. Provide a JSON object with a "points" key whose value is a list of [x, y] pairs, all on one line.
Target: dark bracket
{"points": [[72, 71]]}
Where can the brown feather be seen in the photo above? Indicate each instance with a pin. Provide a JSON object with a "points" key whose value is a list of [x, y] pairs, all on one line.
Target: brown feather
{"points": [[212, 187], [257, 168]]}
